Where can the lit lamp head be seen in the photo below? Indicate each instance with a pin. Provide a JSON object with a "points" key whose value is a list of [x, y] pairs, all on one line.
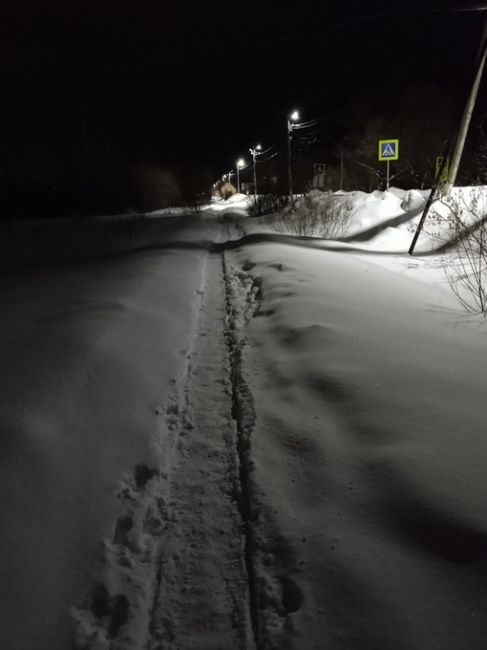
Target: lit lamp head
{"points": [[240, 163], [294, 116]]}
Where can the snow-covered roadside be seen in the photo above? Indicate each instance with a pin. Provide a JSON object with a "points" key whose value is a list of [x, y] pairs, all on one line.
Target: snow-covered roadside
{"points": [[49, 241], [368, 453], [286, 446], [90, 357]]}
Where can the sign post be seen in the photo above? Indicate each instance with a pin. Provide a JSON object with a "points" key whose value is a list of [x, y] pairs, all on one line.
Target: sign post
{"points": [[388, 150], [319, 175], [442, 169]]}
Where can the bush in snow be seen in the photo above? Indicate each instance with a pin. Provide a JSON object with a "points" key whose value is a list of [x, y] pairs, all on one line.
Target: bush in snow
{"points": [[269, 203], [466, 265], [317, 214]]}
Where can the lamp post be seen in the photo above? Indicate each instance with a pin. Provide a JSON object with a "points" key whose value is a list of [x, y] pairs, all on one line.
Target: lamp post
{"points": [[240, 165], [292, 118], [255, 152]]}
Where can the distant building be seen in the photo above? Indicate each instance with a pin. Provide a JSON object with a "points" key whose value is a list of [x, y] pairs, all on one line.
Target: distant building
{"points": [[227, 190]]}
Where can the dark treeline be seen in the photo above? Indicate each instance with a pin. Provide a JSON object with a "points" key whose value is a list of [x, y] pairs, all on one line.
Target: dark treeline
{"points": [[59, 162], [56, 166]]}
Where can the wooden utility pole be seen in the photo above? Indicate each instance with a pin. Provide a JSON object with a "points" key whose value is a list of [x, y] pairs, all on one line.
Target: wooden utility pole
{"points": [[341, 168], [460, 141], [430, 200], [467, 114]]}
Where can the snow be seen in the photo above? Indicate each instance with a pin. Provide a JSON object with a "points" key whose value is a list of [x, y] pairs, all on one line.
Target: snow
{"points": [[219, 436], [239, 202], [372, 209], [88, 355], [369, 450]]}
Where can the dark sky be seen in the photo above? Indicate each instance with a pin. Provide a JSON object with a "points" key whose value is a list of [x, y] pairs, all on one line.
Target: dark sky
{"points": [[202, 82]]}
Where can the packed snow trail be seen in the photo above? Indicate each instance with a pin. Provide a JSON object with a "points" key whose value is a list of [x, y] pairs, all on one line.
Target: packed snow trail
{"points": [[195, 561], [93, 353], [202, 601], [178, 570]]}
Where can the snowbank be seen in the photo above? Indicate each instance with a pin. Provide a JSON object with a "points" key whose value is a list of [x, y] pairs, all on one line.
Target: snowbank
{"points": [[90, 355], [369, 449]]}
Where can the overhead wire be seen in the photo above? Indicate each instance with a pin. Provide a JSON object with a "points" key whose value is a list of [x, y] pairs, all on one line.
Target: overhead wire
{"points": [[330, 26], [340, 85], [270, 157]]}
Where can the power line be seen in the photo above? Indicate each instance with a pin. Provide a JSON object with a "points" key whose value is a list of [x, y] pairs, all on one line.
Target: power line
{"points": [[417, 8]]}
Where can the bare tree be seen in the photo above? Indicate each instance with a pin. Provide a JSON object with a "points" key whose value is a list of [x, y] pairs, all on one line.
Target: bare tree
{"points": [[316, 214], [465, 265]]}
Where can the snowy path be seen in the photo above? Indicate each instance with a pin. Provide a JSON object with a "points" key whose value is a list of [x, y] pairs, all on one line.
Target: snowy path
{"points": [[253, 446], [190, 565], [95, 358], [177, 561], [202, 600]]}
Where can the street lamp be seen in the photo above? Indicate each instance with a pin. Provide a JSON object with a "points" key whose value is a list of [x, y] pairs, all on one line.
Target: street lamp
{"points": [[240, 165], [294, 117], [255, 152]]}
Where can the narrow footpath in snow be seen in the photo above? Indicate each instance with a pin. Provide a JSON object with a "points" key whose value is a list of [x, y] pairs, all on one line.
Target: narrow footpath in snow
{"points": [[178, 570], [202, 600]]}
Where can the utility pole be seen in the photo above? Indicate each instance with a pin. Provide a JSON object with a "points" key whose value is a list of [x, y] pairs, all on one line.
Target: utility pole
{"points": [[459, 144], [289, 164], [255, 152], [341, 168], [467, 114], [240, 165], [290, 126], [431, 198]]}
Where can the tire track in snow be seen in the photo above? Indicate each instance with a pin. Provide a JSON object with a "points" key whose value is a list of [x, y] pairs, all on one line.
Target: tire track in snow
{"points": [[241, 297], [270, 560]]}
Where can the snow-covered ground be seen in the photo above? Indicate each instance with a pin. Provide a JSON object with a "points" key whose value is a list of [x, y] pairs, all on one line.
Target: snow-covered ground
{"points": [[219, 436], [369, 452]]}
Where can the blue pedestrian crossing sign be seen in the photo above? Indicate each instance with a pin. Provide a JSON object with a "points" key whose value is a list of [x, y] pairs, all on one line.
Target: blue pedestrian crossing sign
{"points": [[389, 149]]}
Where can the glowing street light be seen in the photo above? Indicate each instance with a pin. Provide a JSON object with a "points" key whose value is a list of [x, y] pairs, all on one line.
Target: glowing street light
{"points": [[240, 165], [294, 117], [255, 152]]}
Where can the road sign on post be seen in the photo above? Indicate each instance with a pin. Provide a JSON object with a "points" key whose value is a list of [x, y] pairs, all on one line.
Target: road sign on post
{"points": [[319, 175], [388, 150], [445, 172]]}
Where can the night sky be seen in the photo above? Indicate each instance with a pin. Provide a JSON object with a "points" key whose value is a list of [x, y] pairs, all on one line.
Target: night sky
{"points": [[201, 83]]}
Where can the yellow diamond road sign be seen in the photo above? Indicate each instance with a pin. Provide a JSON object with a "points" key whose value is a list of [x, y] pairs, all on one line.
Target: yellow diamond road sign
{"points": [[389, 149], [446, 169]]}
